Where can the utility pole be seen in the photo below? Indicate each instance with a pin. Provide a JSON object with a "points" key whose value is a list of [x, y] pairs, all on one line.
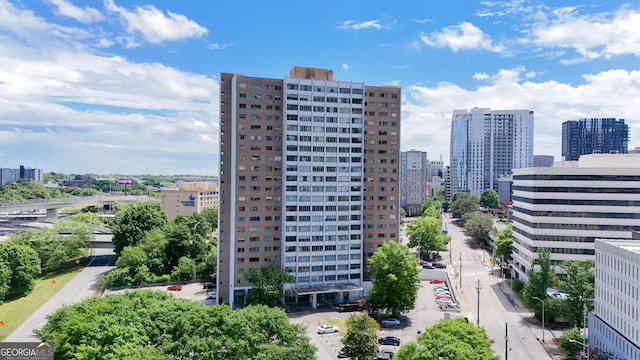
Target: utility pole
{"points": [[478, 288], [506, 341]]}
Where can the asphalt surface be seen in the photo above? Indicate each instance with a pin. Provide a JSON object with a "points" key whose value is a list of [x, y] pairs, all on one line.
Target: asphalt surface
{"points": [[80, 287]]}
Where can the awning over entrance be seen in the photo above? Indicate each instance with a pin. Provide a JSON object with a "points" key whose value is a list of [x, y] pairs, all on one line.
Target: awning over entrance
{"points": [[323, 289]]}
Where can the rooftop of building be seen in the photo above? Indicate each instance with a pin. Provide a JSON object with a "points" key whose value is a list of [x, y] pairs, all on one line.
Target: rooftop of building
{"points": [[630, 245]]}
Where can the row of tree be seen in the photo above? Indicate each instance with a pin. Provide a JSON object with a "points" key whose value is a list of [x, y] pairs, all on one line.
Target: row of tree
{"points": [[145, 324], [151, 249], [27, 190], [24, 256], [454, 339], [426, 232]]}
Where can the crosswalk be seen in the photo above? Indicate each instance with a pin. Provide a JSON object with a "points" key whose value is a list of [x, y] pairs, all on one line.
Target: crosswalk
{"points": [[465, 262], [474, 273]]}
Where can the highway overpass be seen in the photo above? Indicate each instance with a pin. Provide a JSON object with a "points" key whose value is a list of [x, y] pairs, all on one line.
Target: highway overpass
{"points": [[53, 205]]}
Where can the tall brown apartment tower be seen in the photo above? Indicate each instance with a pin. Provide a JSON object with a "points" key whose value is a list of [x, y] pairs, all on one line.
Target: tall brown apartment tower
{"points": [[309, 170]]}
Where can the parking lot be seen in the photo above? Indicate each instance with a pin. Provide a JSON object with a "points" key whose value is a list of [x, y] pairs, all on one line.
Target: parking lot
{"points": [[425, 314]]}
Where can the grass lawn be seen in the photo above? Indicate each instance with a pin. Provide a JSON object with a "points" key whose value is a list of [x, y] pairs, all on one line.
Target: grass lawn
{"points": [[15, 312]]}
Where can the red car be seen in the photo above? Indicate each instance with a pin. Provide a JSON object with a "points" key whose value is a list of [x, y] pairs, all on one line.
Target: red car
{"points": [[174, 287], [435, 281]]}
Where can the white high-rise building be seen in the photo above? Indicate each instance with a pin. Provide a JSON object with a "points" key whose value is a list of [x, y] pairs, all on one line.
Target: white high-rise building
{"points": [[614, 325], [487, 145], [566, 208]]}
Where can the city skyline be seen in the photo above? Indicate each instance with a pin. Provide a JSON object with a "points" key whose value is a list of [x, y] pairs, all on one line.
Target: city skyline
{"points": [[132, 86]]}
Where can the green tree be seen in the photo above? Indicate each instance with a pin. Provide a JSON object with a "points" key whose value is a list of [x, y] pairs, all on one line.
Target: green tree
{"points": [[211, 214], [540, 280], [5, 279], [489, 199], [403, 213], [268, 282], [570, 342], [179, 243], [454, 339], [425, 233], [360, 341], [24, 264], [578, 283], [132, 257], [463, 203], [504, 244], [186, 270], [395, 279], [154, 246], [148, 324], [197, 222], [479, 225], [132, 222]]}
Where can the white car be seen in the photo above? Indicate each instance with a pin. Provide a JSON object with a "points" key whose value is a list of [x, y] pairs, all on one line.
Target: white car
{"points": [[327, 329]]}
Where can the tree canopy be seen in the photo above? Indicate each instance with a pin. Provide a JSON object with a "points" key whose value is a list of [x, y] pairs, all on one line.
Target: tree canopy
{"points": [[539, 280], [489, 199], [463, 203], [360, 341], [479, 225], [395, 279], [132, 222], [23, 264], [146, 324], [453, 339], [578, 283], [268, 281], [425, 233], [504, 244]]}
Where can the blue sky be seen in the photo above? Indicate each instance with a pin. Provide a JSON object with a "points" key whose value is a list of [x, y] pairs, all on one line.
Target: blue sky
{"points": [[130, 87]]}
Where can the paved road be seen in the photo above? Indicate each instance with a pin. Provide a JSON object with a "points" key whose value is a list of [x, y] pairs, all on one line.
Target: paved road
{"points": [[80, 287], [496, 309]]}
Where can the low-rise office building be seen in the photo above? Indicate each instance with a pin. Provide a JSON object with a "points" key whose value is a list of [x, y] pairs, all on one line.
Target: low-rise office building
{"points": [[189, 197], [566, 208]]}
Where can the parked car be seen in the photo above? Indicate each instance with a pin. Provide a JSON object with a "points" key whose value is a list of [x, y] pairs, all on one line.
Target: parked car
{"points": [[439, 265], [175, 287], [443, 292], [390, 322], [427, 266], [384, 354], [211, 295], [327, 329], [450, 307], [389, 340], [435, 281], [341, 354], [208, 285]]}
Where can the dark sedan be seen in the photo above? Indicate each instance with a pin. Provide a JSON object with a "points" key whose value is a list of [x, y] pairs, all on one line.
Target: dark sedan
{"points": [[389, 340]]}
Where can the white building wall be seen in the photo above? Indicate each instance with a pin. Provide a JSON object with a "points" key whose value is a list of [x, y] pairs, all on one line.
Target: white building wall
{"points": [[614, 325]]}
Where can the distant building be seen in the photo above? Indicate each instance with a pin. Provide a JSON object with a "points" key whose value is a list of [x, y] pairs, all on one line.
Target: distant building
{"points": [[614, 324], [189, 197], [505, 185], [77, 183], [594, 136], [542, 160], [414, 175], [635, 150], [486, 145], [8, 175], [26, 173], [566, 208]]}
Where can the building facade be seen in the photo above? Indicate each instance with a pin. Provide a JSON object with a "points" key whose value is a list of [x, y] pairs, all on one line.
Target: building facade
{"points": [[189, 197], [566, 208], [614, 325], [487, 145], [414, 176], [309, 180], [543, 160], [594, 136]]}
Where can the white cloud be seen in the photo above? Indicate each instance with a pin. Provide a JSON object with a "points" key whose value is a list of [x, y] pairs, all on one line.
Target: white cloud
{"points": [[480, 76], [401, 67], [427, 110], [216, 46], [353, 25], [590, 36], [154, 26], [346, 67], [86, 16], [90, 112], [421, 21], [464, 36]]}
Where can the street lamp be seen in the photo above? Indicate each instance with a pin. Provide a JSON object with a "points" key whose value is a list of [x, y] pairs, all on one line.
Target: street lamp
{"points": [[542, 301], [584, 345], [478, 288]]}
